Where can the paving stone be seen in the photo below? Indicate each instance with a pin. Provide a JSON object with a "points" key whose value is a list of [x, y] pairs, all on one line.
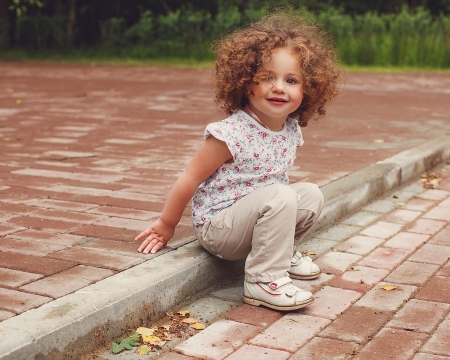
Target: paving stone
{"points": [[338, 232], [406, 241], [320, 349], [418, 315], [402, 216], [434, 194], [130, 224], [431, 254], [97, 258], [67, 281], [381, 206], [252, 352], [366, 275], [357, 324], [291, 332], [445, 203], [315, 284], [441, 238], [392, 344], [437, 289], [438, 213], [418, 204], [208, 308], [403, 195], [125, 213], [18, 301], [424, 356], [106, 232], [382, 229], [414, 187], [231, 292], [116, 247], [33, 264], [61, 205], [40, 223], [384, 258], [362, 218], [9, 229], [445, 271], [336, 261], [169, 356], [35, 248], [438, 343], [67, 240], [218, 340], [426, 226], [254, 315], [384, 300], [5, 315], [14, 278], [70, 216], [359, 245], [326, 305], [320, 246], [412, 273]]}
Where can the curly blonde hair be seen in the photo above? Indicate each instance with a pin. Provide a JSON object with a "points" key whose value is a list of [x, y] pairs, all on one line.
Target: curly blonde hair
{"points": [[240, 55]]}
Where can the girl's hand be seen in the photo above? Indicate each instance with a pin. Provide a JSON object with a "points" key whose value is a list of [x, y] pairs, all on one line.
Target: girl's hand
{"points": [[158, 234]]}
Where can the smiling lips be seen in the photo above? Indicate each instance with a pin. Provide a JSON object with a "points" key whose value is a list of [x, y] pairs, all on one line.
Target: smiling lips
{"points": [[277, 101]]}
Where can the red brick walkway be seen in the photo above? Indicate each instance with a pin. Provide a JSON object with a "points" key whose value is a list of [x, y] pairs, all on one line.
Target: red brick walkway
{"points": [[384, 293], [88, 155]]}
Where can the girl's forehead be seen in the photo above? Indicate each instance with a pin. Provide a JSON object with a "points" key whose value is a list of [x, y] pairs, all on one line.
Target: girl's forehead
{"points": [[281, 55]]}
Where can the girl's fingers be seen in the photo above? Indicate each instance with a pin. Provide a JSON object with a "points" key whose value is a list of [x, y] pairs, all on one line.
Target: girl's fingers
{"points": [[152, 244]]}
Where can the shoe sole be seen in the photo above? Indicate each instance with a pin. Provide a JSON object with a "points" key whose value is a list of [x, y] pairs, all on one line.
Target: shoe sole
{"points": [[255, 302], [304, 277]]}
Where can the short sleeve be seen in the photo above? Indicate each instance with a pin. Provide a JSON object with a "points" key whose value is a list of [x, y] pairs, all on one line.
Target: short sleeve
{"points": [[222, 132]]}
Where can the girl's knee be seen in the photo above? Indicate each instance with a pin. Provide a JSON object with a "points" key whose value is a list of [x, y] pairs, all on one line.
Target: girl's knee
{"points": [[310, 196], [283, 194]]}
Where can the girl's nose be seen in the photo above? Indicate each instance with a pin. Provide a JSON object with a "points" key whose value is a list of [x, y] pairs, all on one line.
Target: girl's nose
{"points": [[278, 85]]}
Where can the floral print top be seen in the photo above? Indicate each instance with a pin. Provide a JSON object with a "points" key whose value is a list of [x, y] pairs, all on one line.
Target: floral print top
{"points": [[261, 157]]}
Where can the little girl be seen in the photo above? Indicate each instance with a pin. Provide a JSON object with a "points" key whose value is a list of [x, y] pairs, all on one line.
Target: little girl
{"points": [[270, 78]]}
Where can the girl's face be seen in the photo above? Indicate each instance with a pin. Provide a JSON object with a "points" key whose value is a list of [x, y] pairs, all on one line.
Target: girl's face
{"points": [[281, 93]]}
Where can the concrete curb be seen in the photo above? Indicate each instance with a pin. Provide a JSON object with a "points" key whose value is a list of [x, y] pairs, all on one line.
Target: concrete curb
{"points": [[80, 322]]}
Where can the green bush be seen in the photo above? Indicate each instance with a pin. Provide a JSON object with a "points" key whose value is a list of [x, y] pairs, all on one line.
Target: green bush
{"points": [[409, 38]]}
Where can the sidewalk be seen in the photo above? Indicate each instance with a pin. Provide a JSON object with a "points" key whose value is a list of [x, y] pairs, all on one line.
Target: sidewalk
{"points": [[88, 155], [384, 293]]}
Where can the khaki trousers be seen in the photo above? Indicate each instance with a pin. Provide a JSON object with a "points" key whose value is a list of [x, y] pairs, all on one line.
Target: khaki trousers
{"points": [[263, 226]]}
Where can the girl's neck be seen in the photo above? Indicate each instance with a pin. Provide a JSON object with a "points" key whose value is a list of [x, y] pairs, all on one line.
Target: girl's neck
{"points": [[252, 114], [249, 111]]}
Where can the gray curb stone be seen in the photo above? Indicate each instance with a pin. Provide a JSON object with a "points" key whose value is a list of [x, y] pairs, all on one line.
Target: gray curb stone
{"points": [[78, 323]]}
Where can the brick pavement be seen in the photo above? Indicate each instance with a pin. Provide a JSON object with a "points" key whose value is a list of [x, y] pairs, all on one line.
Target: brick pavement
{"points": [[353, 317], [88, 154]]}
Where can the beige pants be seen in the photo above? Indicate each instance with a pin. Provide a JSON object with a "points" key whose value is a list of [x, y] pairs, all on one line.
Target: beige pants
{"points": [[262, 227]]}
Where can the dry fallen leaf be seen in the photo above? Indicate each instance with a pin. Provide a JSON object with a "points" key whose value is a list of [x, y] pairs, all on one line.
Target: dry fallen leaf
{"points": [[198, 326], [399, 203], [189, 321], [388, 287], [378, 141], [144, 349], [145, 331], [150, 338], [309, 252]]}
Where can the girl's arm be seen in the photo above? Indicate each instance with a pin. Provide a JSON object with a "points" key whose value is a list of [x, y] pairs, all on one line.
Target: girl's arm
{"points": [[211, 154]]}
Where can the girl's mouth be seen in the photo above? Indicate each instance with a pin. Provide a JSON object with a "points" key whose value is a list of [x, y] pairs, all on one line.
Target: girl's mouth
{"points": [[277, 100]]}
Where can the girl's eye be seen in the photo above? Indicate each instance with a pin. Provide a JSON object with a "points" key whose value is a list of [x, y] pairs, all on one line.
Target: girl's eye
{"points": [[291, 81]]}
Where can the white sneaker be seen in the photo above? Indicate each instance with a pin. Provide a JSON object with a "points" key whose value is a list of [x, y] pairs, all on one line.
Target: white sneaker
{"points": [[302, 267], [278, 295]]}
